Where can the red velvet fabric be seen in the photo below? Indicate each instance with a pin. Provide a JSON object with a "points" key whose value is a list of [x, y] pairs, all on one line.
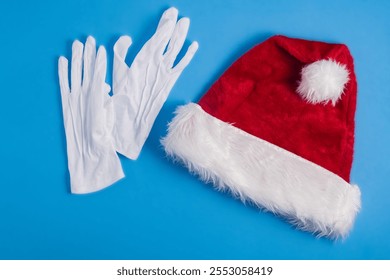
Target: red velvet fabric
{"points": [[258, 95]]}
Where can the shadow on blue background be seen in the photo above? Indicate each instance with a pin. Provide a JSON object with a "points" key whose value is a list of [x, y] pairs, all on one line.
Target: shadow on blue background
{"points": [[160, 211]]}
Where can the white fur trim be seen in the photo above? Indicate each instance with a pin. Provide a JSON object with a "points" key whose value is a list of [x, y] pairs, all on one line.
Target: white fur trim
{"points": [[309, 196], [323, 81]]}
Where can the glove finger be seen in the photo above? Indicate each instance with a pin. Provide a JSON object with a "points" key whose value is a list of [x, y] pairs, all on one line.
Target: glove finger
{"points": [[166, 25], [121, 47], [192, 49], [63, 76], [120, 67], [89, 60], [77, 56], [168, 15], [99, 77], [176, 43], [99, 97], [100, 70], [64, 87]]}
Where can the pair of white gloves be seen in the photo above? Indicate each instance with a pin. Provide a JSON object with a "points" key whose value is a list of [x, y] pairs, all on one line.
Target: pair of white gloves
{"points": [[98, 125]]}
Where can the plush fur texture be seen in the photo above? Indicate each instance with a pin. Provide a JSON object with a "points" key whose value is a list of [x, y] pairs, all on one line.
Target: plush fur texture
{"points": [[257, 94], [323, 81], [309, 196]]}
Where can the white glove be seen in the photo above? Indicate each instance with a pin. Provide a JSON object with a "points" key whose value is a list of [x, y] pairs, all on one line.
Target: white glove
{"points": [[92, 161], [141, 90]]}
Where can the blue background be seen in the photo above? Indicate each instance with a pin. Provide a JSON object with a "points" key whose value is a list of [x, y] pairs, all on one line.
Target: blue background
{"points": [[160, 211]]}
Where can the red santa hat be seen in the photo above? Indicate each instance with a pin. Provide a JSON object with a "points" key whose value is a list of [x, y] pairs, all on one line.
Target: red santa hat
{"points": [[277, 129]]}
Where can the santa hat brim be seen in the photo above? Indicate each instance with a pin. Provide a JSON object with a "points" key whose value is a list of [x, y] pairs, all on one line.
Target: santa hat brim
{"points": [[308, 195]]}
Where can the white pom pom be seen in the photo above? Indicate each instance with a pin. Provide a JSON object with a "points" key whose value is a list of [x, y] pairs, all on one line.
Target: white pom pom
{"points": [[323, 81]]}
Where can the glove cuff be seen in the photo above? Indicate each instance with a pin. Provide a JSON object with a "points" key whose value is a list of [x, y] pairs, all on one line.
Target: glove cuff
{"points": [[89, 176]]}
